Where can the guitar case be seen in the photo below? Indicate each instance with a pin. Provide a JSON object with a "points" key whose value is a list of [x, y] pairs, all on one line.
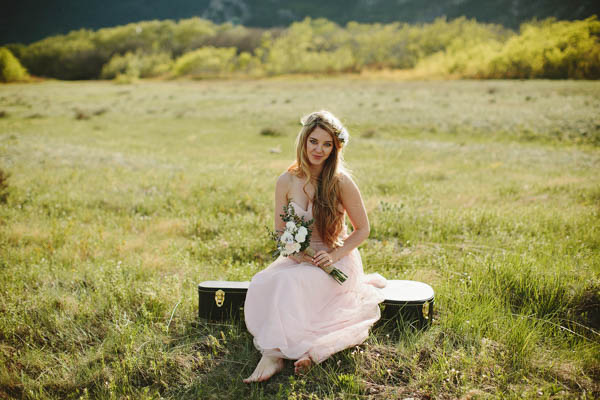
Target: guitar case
{"points": [[221, 300], [408, 302]]}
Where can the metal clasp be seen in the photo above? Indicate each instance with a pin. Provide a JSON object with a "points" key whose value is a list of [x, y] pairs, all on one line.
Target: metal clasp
{"points": [[219, 297]]}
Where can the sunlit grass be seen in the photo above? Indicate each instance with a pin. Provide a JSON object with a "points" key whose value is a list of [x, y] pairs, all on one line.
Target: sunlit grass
{"points": [[113, 219]]}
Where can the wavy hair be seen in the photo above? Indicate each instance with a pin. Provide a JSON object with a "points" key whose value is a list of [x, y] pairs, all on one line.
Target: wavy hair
{"points": [[328, 219]]}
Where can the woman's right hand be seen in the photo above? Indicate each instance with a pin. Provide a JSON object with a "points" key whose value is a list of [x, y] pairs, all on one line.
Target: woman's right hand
{"points": [[301, 257]]}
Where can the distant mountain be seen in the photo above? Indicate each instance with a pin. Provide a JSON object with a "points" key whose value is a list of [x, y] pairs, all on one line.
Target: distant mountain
{"points": [[26, 21]]}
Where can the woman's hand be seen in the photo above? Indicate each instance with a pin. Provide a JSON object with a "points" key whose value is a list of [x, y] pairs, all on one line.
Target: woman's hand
{"points": [[301, 257], [323, 259]]}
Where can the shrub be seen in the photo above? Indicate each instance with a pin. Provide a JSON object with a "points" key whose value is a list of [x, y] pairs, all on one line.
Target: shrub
{"points": [[322, 46], [11, 69], [238, 36], [144, 37], [460, 47], [137, 64], [207, 61], [83, 54], [547, 49], [191, 34], [307, 47], [551, 49], [16, 48], [73, 56]]}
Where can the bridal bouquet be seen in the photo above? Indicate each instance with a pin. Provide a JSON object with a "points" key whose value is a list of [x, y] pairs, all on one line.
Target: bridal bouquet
{"points": [[295, 238]]}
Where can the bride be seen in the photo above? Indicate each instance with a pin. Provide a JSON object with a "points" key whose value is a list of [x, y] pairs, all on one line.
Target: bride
{"points": [[293, 308]]}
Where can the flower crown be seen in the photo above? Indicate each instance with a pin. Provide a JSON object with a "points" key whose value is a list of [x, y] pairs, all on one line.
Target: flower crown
{"points": [[325, 116]]}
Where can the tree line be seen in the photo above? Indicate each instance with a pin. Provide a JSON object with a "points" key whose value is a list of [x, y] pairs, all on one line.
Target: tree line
{"points": [[197, 47]]}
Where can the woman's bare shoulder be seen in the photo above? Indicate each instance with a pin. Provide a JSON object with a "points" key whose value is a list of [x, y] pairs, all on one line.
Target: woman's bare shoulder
{"points": [[346, 181], [284, 181]]}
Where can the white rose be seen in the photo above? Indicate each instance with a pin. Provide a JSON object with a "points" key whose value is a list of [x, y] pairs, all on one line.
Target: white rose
{"points": [[290, 226], [286, 237], [292, 247], [301, 235]]}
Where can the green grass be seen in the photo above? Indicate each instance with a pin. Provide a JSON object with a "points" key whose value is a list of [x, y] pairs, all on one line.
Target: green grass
{"points": [[489, 191]]}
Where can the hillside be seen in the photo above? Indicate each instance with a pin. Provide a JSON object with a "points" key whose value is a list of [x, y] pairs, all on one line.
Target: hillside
{"points": [[30, 20]]}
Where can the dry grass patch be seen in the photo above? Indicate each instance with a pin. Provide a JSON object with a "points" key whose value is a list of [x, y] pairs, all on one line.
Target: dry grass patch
{"points": [[20, 233], [169, 227]]}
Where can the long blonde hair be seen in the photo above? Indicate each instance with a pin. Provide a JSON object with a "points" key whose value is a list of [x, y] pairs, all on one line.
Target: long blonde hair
{"points": [[328, 219]]}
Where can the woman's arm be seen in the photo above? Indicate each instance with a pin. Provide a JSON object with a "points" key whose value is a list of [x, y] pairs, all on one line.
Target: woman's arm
{"points": [[353, 203], [282, 188]]}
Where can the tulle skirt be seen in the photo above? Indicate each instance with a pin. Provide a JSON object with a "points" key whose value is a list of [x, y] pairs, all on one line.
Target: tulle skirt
{"points": [[296, 310]]}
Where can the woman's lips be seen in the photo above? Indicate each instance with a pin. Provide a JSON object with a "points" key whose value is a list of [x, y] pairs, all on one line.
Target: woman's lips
{"points": [[316, 156]]}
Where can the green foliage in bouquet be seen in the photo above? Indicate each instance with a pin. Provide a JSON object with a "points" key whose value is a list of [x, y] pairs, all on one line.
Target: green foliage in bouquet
{"points": [[289, 214]]}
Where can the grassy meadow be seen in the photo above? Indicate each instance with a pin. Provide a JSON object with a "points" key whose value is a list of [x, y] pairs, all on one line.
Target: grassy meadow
{"points": [[122, 198]]}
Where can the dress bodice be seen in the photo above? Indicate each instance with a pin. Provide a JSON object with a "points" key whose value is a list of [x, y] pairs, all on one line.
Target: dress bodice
{"points": [[316, 242]]}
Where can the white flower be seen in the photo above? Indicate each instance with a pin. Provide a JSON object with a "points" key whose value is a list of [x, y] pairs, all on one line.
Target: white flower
{"points": [[344, 136], [334, 121], [292, 247], [286, 237], [301, 235], [290, 226]]}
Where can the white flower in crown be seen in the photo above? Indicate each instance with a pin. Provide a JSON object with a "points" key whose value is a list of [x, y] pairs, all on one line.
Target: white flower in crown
{"points": [[341, 132], [343, 136]]}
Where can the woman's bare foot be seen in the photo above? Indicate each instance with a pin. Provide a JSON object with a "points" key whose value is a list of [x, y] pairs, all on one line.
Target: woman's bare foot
{"points": [[266, 368], [302, 366]]}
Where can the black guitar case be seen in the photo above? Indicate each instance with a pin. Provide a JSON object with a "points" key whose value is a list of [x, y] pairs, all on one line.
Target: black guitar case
{"points": [[405, 301]]}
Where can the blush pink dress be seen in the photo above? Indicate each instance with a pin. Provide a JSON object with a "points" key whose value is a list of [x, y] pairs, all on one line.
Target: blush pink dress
{"points": [[296, 310]]}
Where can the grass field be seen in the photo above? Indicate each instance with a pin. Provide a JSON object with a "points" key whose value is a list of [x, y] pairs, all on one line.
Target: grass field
{"points": [[122, 198]]}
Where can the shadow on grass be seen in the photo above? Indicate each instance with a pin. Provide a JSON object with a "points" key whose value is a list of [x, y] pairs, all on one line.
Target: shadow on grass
{"points": [[226, 355]]}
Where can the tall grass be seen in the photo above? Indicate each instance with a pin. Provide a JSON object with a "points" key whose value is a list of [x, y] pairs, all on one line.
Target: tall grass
{"points": [[112, 220]]}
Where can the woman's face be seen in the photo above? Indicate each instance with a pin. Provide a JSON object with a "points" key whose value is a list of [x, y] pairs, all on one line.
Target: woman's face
{"points": [[319, 146]]}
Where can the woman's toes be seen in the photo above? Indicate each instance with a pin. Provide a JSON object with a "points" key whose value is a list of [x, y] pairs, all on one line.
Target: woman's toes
{"points": [[266, 368], [302, 366]]}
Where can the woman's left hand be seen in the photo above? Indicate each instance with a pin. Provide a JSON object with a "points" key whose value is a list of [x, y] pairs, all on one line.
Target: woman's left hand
{"points": [[323, 259]]}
